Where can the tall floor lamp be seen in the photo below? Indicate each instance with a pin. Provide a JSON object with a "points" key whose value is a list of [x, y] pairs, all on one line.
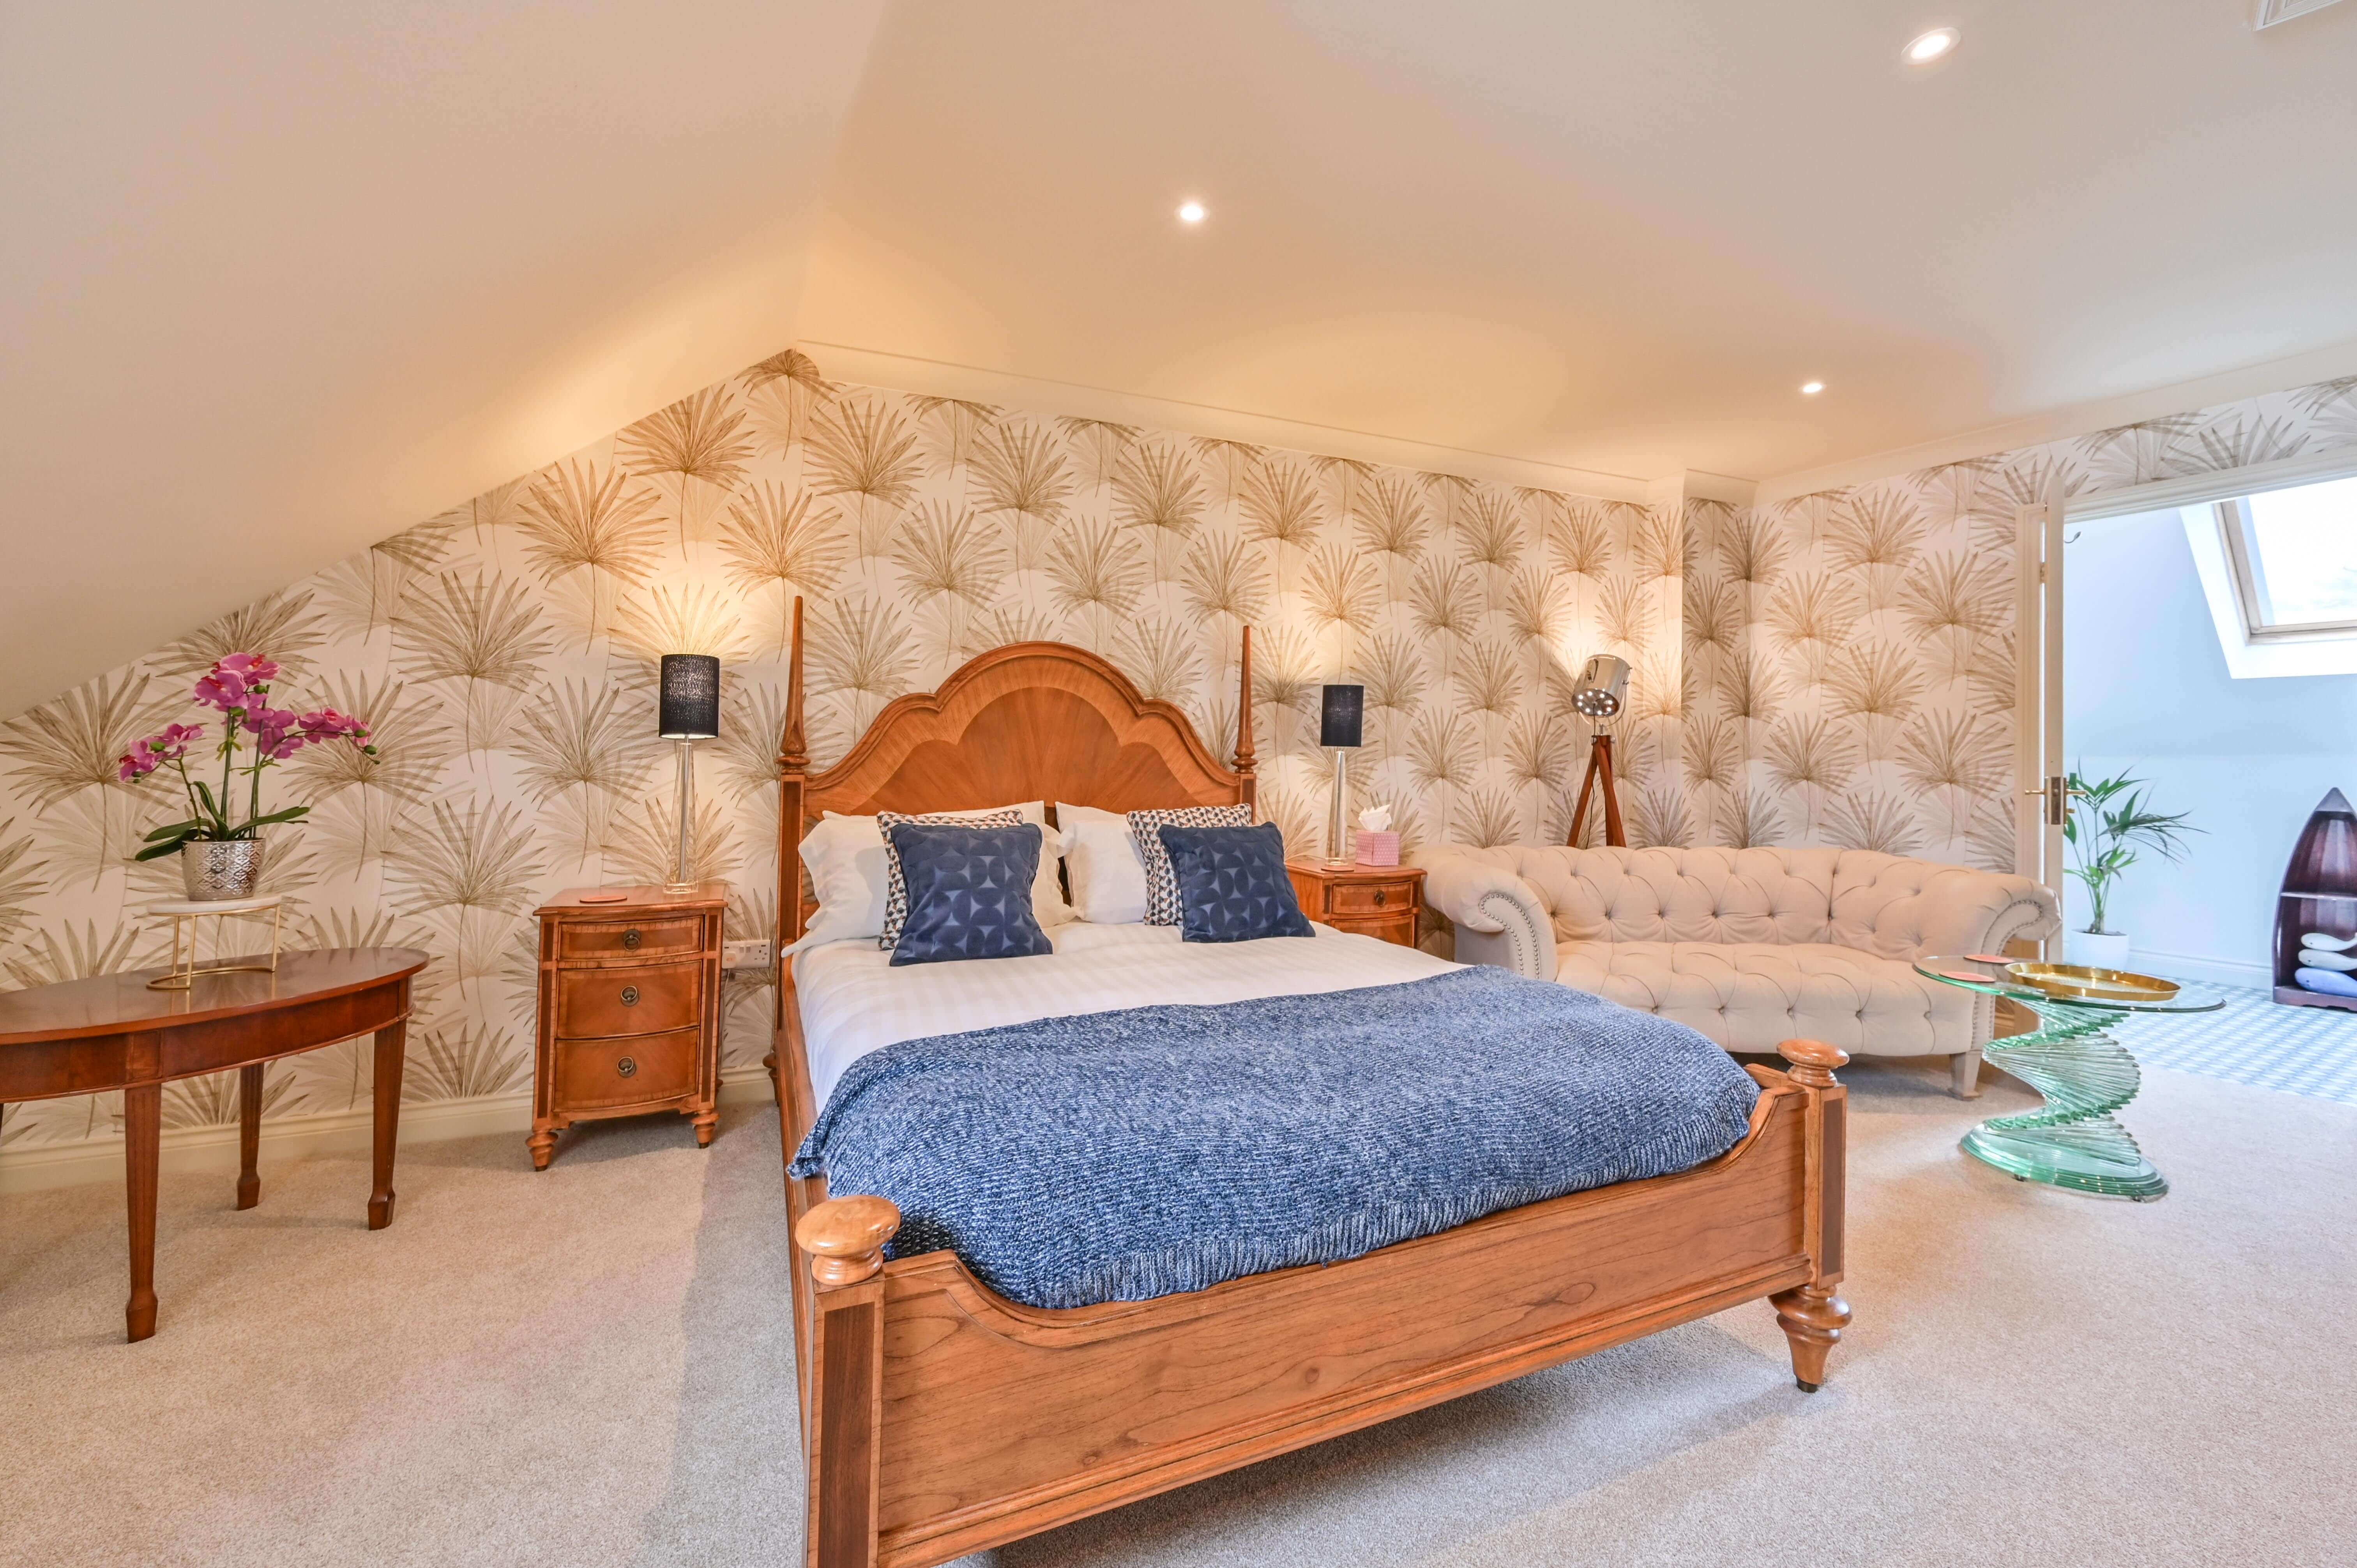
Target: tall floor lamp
{"points": [[1598, 696], [1340, 719], [689, 712]]}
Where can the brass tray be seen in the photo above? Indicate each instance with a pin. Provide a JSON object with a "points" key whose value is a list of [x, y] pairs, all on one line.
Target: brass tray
{"points": [[2077, 982]]}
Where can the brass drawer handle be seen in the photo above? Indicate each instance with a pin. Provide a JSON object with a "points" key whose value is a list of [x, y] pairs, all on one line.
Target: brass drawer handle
{"points": [[629, 996], [626, 1066], [631, 938], [1379, 898]]}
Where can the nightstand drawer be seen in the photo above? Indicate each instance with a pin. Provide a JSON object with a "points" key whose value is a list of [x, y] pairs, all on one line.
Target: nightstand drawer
{"points": [[1399, 928], [595, 1074], [1371, 897], [628, 939], [646, 1000]]}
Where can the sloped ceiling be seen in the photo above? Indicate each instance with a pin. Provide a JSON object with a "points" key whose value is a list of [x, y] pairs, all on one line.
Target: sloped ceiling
{"points": [[1615, 237], [280, 279]]}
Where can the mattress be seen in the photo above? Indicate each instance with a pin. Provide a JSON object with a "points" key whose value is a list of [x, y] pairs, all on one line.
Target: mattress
{"points": [[854, 1001]]}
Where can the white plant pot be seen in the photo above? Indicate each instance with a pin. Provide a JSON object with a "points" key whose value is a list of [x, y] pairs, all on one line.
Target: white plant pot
{"points": [[2096, 950]]}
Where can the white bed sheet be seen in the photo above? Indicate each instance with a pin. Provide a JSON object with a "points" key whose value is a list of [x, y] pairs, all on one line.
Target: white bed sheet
{"points": [[854, 1001]]}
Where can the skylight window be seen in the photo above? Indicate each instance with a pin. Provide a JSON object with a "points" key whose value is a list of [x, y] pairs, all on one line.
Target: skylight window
{"points": [[2293, 555]]}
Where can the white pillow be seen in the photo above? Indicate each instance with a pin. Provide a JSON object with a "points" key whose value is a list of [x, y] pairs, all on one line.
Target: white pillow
{"points": [[1108, 875], [849, 871]]}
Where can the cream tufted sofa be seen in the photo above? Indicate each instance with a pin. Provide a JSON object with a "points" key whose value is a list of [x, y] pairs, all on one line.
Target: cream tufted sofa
{"points": [[1750, 946]]}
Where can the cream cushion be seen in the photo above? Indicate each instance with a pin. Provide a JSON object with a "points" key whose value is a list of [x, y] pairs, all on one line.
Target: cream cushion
{"points": [[1748, 996]]}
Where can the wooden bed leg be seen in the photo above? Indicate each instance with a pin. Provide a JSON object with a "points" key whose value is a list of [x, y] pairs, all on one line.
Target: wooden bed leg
{"points": [[1813, 1319], [1813, 1316], [845, 1237]]}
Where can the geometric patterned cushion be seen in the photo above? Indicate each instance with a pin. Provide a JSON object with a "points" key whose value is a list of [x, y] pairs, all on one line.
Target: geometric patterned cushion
{"points": [[1231, 884], [1161, 891], [896, 888], [969, 893]]}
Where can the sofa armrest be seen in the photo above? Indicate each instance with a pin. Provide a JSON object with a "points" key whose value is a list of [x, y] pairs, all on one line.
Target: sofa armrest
{"points": [[1499, 916], [1966, 912]]}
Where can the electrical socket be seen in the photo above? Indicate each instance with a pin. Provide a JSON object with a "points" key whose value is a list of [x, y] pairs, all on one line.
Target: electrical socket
{"points": [[753, 954]]}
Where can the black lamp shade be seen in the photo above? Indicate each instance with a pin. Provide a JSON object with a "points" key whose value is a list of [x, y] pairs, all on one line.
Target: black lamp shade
{"points": [[691, 697], [1339, 719]]}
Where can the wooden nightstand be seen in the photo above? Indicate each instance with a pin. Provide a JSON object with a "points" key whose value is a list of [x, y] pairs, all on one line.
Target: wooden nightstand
{"points": [[1373, 900], [630, 1010]]}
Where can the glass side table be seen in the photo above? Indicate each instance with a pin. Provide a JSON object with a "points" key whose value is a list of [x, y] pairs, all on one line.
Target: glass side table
{"points": [[2072, 1140]]}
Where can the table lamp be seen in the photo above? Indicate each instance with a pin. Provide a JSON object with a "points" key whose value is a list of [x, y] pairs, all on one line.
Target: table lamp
{"points": [[689, 712], [1341, 717]]}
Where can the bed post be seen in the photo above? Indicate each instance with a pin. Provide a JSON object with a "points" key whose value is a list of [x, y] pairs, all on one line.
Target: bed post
{"points": [[843, 1445], [1813, 1316], [793, 765], [1248, 792]]}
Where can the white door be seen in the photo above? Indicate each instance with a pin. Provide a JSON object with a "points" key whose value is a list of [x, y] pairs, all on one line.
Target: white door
{"points": [[2044, 801]]}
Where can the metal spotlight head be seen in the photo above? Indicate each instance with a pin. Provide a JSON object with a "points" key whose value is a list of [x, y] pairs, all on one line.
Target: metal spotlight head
{"points": [[1602, 689]]}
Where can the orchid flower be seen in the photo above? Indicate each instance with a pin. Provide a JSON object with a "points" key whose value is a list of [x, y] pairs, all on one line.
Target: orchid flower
{"points": [[237, 685]]}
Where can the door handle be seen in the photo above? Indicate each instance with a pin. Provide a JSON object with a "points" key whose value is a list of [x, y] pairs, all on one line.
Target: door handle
{"points": [[2058, 792]]}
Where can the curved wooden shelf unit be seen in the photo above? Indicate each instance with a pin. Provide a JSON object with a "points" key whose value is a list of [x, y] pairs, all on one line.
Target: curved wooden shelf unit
{"points": [[939, 1418], [2319, 894]]}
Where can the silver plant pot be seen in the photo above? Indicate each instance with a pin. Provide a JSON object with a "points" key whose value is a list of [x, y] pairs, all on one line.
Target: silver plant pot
{"points": [[221, 868]]}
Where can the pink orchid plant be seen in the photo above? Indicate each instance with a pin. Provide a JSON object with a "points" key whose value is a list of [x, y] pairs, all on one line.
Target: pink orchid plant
{"points": [[238, 688]]}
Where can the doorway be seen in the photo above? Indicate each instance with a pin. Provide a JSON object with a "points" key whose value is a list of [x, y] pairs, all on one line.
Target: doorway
{"points": [[2195, 651]]}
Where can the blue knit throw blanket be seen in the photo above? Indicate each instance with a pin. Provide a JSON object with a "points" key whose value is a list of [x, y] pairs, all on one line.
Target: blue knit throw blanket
{"points": [[1116, 1156]]}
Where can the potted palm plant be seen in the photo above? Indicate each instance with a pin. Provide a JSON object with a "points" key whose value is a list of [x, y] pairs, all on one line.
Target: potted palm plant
{"points": [[221, 844], [2109, 825]]}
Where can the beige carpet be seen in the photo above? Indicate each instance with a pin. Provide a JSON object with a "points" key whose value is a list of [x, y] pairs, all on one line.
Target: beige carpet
{"points": [[591, 1368]]}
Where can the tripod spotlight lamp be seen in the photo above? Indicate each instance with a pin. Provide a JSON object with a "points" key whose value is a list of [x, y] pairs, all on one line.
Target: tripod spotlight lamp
{"points": [[1598, 696], [1602, 690], [689, 712], [1340, 721]]}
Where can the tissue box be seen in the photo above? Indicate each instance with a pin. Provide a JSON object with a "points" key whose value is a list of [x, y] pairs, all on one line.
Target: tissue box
{"points": [[1378, 849]]}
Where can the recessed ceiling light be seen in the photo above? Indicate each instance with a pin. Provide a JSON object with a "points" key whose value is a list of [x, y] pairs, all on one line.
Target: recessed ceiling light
{"points": [[1811, 389], [1933, 45], [1191, 212]]}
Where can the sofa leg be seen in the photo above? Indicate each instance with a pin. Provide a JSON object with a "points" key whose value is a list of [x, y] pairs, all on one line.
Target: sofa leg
{"points": [[1966, 1067]]}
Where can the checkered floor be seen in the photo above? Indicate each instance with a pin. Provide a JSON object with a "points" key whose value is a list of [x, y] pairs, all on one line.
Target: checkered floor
{"points": [[2255, 1041]]}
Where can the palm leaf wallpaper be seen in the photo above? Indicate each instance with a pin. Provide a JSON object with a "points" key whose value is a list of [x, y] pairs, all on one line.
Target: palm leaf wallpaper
{"points": [[1861, 641], [505, 649], [1832, 670]]}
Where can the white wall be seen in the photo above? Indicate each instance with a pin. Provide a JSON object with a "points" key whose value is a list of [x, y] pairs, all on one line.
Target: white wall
{"points": [[2147, 692]]}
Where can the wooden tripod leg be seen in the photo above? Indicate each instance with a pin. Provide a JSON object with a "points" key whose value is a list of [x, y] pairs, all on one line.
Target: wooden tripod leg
{"points": [[1599, 767], [1614, 833], [1579, 810]]}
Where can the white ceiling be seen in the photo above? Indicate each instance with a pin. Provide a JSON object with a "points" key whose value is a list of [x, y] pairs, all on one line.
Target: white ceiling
{"points": [[279, 279], [1611, 236]]}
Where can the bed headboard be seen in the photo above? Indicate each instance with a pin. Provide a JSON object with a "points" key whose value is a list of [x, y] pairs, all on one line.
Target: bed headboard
{"points": [[1031, 721]]}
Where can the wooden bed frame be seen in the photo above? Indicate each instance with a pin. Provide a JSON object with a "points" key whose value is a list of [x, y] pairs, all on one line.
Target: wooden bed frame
{"points": [[939, 1418]]}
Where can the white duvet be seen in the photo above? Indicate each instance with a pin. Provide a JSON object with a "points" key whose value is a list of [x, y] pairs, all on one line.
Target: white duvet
{"points": [[853, 1000]]}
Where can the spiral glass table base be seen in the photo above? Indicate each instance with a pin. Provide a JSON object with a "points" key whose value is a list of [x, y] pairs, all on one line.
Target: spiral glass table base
{"points": [[2072, 1140]]}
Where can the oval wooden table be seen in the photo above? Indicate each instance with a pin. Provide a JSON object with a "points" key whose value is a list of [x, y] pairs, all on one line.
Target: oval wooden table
{"points": [[86, 1036]]}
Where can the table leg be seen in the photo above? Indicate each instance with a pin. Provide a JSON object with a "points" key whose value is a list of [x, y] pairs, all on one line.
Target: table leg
{"points": [[2072, 1140], [389, 1042], [143, 1123], [249, 1135]]}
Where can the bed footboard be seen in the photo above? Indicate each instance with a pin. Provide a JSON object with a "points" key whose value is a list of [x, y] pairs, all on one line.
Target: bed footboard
{"points": [[942, 1419]]}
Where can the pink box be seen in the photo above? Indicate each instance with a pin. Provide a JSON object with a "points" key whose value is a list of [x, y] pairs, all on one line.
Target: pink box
{"points": [[1378, 849]]}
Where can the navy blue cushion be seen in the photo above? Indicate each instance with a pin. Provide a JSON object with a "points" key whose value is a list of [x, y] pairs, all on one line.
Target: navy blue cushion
{"points": [[1231, 884], [969, 893]]}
